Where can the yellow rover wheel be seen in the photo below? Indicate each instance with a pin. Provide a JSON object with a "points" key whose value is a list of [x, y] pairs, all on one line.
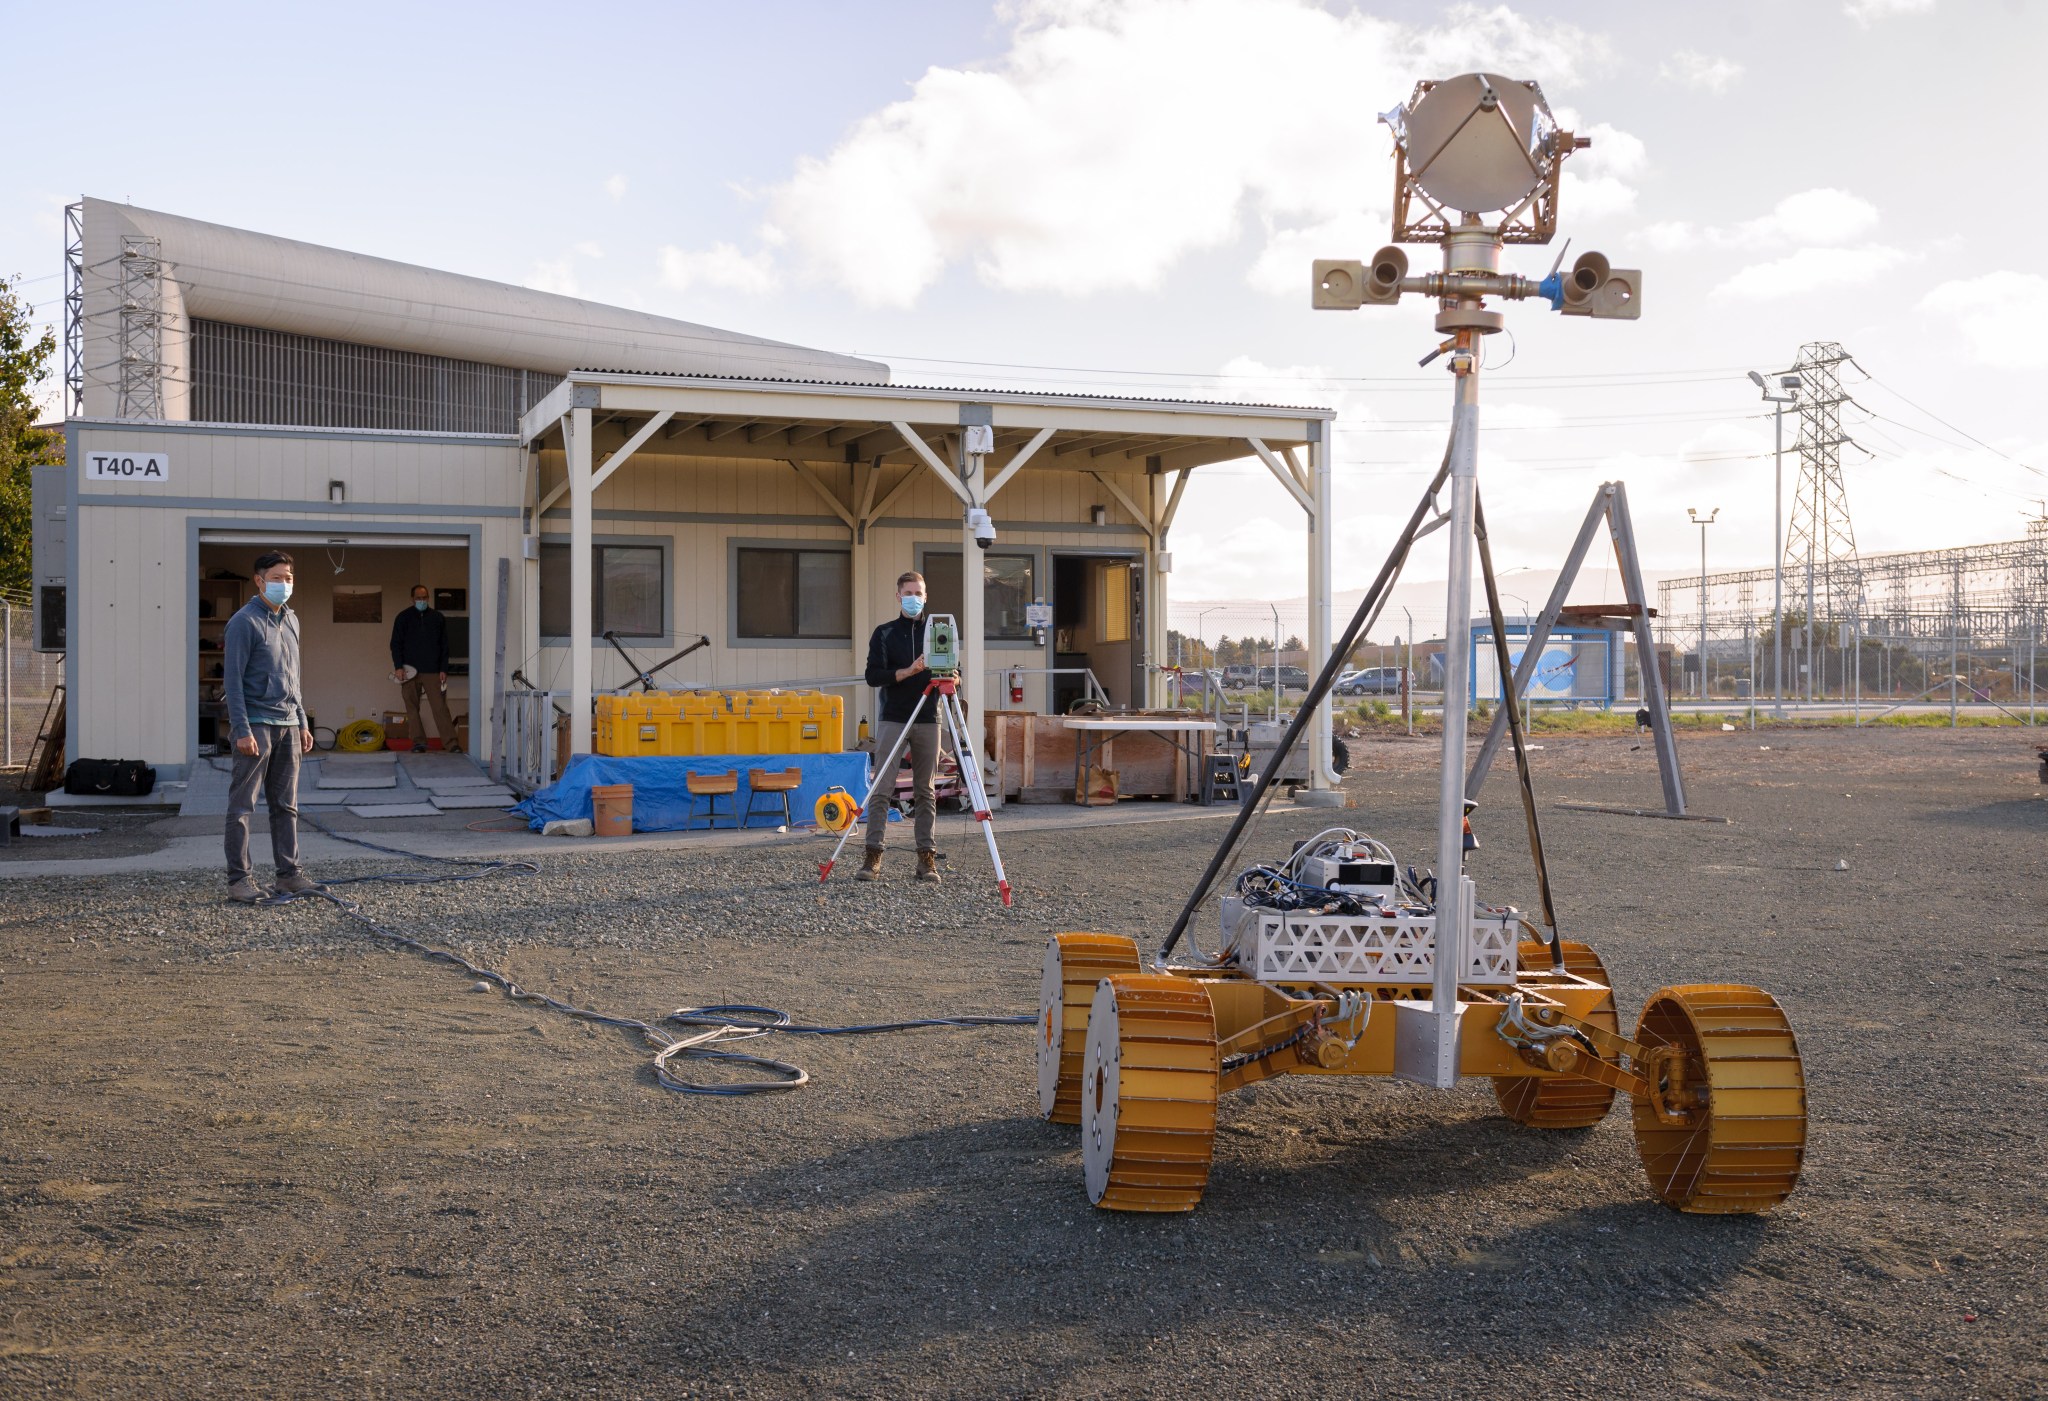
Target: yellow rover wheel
{"points": [[1723, 1126], [1148, 1093], [1074, 964], [1563, 1102]]}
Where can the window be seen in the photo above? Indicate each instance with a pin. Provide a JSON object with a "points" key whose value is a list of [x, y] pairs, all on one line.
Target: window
{"points": [[625, 594], [794, 593], [1116, 603], [1008, 583]]}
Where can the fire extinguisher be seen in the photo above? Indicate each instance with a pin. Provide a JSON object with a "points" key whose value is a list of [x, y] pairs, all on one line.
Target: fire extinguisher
{"points": [[1016, 687]]}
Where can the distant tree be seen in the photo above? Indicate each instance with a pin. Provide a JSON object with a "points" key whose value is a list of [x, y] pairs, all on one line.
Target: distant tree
{"points": [[24, 364]]}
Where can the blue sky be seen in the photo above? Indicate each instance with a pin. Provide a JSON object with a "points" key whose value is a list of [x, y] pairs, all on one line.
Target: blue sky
{"points": [[1126, 193]]}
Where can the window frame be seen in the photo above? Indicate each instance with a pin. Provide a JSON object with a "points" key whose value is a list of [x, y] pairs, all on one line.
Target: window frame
{"points": [[664, 543], [1039, 558], [800, 544]]}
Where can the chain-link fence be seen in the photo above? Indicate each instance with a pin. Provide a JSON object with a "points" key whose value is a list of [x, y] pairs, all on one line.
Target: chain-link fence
{"points": [[1972, 658], [27, 679]]}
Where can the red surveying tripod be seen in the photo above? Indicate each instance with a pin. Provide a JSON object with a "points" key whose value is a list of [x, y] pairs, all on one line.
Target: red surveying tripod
{"points": [[945, 685]]}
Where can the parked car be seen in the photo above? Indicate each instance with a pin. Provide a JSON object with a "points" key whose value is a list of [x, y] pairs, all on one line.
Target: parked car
{"points": [[1236, 678], [1371, 681], [1292, 678]]}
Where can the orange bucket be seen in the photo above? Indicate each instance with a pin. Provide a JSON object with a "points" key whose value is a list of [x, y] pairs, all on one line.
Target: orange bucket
{"points": [[611, 809]]}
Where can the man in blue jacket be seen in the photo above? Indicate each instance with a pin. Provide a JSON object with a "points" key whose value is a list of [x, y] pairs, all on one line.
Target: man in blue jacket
{"points": [[896, 665], [267, 721]]}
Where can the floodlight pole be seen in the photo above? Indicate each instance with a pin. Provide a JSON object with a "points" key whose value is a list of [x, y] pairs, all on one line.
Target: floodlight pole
{"points": [[1778, 402], [1703, 522]]}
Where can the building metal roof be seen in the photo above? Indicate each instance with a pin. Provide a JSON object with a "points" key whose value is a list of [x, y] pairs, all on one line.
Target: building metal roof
{"points": [[963, 393]]}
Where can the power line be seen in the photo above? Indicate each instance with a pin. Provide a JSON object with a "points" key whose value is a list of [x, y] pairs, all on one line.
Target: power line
{"points": [[1946, 424]]}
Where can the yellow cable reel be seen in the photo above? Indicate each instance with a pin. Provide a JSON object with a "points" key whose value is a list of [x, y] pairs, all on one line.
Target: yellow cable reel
{"points": [[836, 810], [360, 737]]}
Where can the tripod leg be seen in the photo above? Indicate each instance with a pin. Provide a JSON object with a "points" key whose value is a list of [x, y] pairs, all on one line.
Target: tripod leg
{"points": [[970, 774], [885, 772]]}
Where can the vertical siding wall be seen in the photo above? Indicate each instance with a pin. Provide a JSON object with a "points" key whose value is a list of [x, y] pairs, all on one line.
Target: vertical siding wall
{"points": [[133, 661], [702, 504]]}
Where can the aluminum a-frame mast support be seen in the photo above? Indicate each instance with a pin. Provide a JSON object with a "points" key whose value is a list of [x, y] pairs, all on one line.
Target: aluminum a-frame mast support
{"points": [[1610, 503]]}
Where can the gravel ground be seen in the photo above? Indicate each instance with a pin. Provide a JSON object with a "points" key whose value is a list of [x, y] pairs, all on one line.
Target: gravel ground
{"points": [[251, 1152]]}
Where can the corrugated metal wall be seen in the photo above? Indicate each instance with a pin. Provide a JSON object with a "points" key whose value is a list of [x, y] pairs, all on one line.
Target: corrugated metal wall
{"points": [[242, 374]]}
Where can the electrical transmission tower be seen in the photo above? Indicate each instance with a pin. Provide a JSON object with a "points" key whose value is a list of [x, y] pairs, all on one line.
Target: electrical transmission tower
{"points": [[1820, 547], [142, 328]]}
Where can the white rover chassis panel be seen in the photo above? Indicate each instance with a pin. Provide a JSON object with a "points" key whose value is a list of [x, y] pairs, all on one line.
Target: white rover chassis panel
{"points": [[1277, 946]]}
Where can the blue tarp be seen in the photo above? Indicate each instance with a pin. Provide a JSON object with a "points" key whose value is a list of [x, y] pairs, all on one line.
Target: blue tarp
{"points": [[661, 797]]}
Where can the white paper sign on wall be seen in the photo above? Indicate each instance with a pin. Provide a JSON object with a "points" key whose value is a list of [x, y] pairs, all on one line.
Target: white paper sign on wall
{"points": [[127, 466]]}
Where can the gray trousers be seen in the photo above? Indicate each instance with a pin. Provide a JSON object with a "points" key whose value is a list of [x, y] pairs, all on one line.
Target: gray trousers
{"points": [[275, 767], [444, 725], [924, 772]]}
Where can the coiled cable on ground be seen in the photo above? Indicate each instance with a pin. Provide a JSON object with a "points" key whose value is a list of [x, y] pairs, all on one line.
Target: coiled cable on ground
{"points": [[713, 1025]]}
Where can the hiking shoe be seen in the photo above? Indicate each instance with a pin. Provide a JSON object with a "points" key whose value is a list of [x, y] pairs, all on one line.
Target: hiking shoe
{"points": [[246, 892], [928, 867], [298, 883], [870, 866]]}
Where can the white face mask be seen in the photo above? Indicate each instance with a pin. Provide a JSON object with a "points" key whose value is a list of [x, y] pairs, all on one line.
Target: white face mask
{"points": [[913, 606]]}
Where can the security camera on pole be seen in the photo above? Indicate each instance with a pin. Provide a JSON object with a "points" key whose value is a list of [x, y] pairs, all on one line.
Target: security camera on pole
{"points": [[1477, 162]]}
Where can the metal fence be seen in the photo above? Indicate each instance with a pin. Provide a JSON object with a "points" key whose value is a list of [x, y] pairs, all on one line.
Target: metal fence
{"points": [[29, 678], [1985, 658]]}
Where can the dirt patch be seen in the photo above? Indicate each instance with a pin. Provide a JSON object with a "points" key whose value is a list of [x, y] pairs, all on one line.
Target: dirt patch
{"points": [[253, 1152]]}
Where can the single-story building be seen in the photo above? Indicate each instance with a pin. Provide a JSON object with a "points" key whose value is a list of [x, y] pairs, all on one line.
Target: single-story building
{"points": [[556, 471]]}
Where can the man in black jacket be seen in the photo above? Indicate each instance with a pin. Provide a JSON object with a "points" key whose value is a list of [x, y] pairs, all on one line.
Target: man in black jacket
{"points": [[896, 666], [419, 641]]}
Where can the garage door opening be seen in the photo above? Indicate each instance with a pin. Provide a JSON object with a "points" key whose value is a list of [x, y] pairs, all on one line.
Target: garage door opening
{"points": [[348, 591]]}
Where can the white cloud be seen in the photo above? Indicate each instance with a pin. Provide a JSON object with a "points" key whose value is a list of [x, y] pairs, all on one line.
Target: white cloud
{"points": [[1116, 137], [722, 266], [615, 186], [1701, 72], [1283, 265], [1999, 314], [1672, 236], [1864, 11], [1823, 215], [1810, 270], [589, 249]]}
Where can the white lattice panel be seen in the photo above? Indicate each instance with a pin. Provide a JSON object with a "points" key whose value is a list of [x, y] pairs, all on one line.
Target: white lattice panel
{"points": [[1401, 948]]}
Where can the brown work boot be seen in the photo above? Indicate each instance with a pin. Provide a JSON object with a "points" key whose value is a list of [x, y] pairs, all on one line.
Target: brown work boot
{"points": [[246, 892], [928, 867], [870, 865], [298, 883]]}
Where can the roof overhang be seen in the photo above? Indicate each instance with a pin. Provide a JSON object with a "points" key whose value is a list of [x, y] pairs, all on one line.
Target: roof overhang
{"points": [[839, 423]]}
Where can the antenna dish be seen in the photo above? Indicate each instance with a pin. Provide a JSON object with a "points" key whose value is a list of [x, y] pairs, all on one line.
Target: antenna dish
{"points": [[1476, 142]]}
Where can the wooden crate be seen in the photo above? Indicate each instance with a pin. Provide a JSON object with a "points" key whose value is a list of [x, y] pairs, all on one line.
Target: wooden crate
{"points": [[1037, 752]]}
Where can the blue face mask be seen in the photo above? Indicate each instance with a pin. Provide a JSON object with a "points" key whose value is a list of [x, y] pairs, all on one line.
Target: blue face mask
{"points": [[276, 593], [420, 603], [912, 605]]}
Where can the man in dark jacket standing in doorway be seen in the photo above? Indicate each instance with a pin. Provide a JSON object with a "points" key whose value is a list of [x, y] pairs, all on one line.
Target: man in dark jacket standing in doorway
{"points": [[419, 642], [896, 665], [267, 720]]}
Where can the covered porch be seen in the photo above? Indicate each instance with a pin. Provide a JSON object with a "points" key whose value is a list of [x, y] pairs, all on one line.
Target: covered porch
{"points": [[856, 483]]}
